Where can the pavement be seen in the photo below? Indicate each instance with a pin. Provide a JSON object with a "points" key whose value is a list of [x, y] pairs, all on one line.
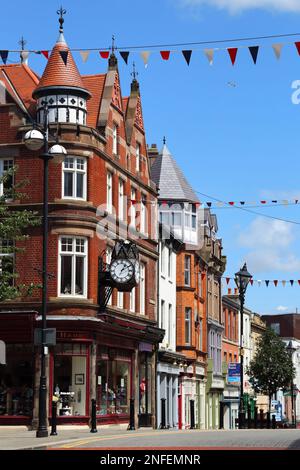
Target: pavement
{"points": [[117, 437]]}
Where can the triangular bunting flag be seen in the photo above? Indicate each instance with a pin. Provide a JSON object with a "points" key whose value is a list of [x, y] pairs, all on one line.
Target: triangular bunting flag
{"points": [[259, 283], [209, 204], [124, 55], [267, 283], [275, 202], [283, 283], [251, 282], [227, 280], [187, 55], [299, 282], [210, 55], [220, 204], [104, 54], [296, 201], [145, 56], [242, 203], [232, 51], [292, 282], [231, 203], [254, 52], [165, 55], [277, 48], [45, 54], [64, 56], [275, 283], [84, 55], [133, 201], [4, 56], [263, 202], [24, 56], [297, 44]]}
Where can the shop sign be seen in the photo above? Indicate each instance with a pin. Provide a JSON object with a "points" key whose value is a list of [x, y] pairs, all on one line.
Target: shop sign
{"points": [[50, 336], [234, 372], [2, 353]]}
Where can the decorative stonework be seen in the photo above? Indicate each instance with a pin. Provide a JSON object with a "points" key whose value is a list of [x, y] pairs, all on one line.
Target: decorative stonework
{"points": [[116, 98], [138, 115]]}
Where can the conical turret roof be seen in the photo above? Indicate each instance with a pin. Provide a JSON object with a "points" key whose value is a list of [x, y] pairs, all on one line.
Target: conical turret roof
{"points": [[60, 72]]}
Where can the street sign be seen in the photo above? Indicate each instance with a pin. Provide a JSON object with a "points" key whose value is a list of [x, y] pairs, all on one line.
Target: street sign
{"points": [[234, 372], [50, 336]]}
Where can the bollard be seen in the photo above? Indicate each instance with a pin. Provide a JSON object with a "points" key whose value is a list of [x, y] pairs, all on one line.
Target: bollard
{"points": [[273, 422], [255, 417], [163, 414], [249, 417], [54, 419], [131, 426], [268, 420], [261, 418], [93, 417], [192, 406]]}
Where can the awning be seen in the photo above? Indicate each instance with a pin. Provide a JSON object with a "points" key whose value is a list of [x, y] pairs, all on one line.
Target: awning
{"points": [[2, 352]]}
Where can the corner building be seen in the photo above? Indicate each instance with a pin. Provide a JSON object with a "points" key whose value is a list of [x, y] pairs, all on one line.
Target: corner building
{"points": [[105, 354]]}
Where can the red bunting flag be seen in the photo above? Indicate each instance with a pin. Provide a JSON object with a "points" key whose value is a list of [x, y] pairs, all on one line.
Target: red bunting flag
{"points": [[275, 283], [251, 282], [227, 280], [165, 55], [104, 54], [297, 44], [263, 202], [45, 54], [231, 203], [232, 51], [299, 282]]}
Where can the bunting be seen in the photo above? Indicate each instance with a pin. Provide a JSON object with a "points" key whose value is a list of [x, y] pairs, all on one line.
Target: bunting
{"points": [[4, 56], [232, 51], [165, 55], [254, 53], [210, 55], [124, 55], [25, 55], [64, 56], [267, 282], [187, 55], [84, 55], [145, 56], [262, 202], [45, 54], [277, 48], [104, 54]]}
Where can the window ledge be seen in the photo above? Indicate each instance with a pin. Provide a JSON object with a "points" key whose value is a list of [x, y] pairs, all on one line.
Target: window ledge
{"points": [[71, 299]]}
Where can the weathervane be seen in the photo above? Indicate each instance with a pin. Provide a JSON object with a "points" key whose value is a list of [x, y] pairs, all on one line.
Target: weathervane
{"points": [[164, 140], [113, 45], [61, 20], [134, 73], [22, 43]]}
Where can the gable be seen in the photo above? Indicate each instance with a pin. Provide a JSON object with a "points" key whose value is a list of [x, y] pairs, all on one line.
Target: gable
{"points": [[138, 121]]}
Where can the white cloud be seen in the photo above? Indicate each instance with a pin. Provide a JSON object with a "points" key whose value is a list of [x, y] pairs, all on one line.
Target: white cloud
{"points": [[236, 6], [281, 308], [270, 243]]}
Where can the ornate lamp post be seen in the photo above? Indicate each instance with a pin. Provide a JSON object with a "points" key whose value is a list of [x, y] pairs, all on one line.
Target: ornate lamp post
{"points": [[242, 279], [290, 348], [35, 139]]}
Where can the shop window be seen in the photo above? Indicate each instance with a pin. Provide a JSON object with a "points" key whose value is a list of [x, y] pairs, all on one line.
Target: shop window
{"points": [[113, 382], [145, 377], [16, 381], [70, 379]]}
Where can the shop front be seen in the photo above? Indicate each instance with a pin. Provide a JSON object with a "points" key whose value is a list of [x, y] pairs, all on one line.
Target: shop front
{"points": [[167, 389]]}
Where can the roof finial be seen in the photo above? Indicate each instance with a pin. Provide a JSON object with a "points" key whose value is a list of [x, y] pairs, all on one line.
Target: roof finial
{"points": [[113, 45], [61, 20], [23, 55], [22, 43], [134, 73], [164, 140]]}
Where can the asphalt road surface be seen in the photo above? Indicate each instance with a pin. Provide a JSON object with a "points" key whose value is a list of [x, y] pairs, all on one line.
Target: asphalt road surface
{"points": [[172, 439]]}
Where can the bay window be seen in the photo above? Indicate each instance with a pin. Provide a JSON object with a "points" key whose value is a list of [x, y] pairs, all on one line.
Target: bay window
{"points": [[74, 178], [73, 266]]}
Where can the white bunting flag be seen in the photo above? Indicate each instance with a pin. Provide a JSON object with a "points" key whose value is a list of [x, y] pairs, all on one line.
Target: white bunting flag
{"points": [[84, 55], [277, 48], [283, 283], [259, 283], [145, 56], [210, 55]]}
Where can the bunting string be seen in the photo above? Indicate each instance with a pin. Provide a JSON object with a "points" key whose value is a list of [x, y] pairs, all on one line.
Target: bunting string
{"points": [[167, 50], [263, 282]]}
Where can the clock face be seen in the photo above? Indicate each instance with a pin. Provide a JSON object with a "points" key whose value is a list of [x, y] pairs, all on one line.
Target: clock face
{"points": [[137, 271], [122, 271]]}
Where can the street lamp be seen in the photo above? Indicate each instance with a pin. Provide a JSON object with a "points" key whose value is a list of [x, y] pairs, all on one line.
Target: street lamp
{"points": [[290, 348], [35, 139], [242, 279]]}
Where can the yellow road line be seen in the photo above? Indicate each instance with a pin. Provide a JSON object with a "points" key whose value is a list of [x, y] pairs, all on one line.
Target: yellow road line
{"points": [[110, 438]]}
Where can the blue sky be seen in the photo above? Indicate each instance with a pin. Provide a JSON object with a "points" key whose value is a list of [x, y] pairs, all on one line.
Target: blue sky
{"points": [[233, 142]]}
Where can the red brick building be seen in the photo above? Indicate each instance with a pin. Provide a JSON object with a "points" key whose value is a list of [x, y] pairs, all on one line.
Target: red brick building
{"points": [[103, 182]]}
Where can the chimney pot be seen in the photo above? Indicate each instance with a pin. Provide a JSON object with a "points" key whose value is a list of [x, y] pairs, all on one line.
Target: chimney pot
{"points": [[229, 291]]}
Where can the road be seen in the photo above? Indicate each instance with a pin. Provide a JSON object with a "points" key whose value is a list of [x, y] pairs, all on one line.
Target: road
{"points": [[172, 439]]}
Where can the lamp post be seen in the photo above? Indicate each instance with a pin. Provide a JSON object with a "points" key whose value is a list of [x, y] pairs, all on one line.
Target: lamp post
{"points": [[291, 350], [35, 139], [242, 279]]}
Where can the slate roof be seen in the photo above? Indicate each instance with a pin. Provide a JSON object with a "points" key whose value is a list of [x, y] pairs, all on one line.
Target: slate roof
{"points": [[170, 179]]}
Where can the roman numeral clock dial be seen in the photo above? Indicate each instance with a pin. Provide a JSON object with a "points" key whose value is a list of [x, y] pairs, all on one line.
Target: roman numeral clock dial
{"points": [[122, 271]]}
